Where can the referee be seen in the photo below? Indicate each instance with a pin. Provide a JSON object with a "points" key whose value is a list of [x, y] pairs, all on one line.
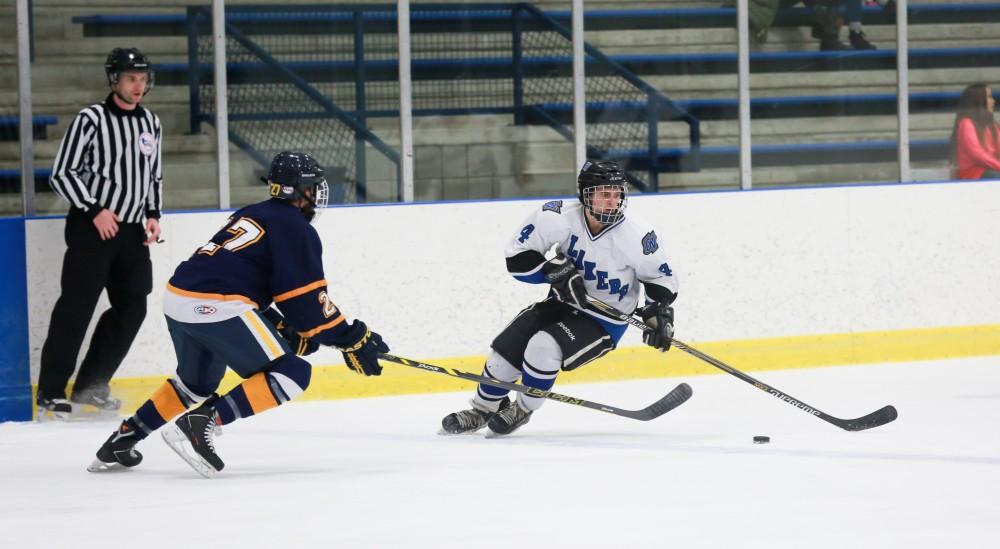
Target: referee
{"points": [[108, 168]]}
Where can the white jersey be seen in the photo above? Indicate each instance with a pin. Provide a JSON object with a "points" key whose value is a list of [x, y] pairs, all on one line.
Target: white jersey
{"points": [[613, 263]]}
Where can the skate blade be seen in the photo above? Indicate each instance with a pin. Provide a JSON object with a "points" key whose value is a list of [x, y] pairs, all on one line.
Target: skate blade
{"points": [[491, 434], [180, 444], [80, 414], [86, 412], [98, 466], [444, 433], [48, 415]]}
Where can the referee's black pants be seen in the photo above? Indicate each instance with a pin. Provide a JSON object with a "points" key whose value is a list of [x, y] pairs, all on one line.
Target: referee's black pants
{"points": [[122, 266]]}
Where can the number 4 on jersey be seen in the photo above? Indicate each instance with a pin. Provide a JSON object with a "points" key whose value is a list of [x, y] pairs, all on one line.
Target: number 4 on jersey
{"points": [[525, 233]]}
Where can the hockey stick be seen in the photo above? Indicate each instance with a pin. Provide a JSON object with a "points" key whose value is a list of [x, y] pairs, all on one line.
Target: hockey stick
{"points": [[673, 399], [879, 417]]}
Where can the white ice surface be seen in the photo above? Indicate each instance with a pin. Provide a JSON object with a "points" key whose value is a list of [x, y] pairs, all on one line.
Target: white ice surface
{"points": [[374, 473]]}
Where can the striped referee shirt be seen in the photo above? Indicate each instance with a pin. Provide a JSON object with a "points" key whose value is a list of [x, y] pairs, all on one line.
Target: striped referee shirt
{"points": [[110, 158]]}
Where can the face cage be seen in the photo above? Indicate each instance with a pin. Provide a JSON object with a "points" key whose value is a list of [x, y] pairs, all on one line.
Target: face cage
{"points": [[322, 198], [612, 216]]}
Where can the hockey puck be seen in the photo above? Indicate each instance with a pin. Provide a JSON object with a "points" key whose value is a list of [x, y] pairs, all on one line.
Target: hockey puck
{"points": [[761, 439]]}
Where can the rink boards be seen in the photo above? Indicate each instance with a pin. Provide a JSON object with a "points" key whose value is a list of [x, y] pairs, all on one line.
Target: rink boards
{"points": [[769, 280]]}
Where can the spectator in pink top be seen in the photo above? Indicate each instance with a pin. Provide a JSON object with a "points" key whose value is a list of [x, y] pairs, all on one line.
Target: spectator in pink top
{"points": [[974, 137]]}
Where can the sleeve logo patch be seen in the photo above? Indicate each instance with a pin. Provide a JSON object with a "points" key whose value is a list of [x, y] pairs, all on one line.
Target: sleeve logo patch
{"points": [[649, 244], [553, 206]]}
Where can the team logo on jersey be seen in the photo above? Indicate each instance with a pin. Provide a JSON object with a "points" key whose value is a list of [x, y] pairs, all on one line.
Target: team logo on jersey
{"points": [[649, 244], [553, 206], [147, 143], [204, 309], [591, 271]]}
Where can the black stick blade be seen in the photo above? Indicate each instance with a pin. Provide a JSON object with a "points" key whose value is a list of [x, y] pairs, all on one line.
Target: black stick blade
{"points": [[874, 419], [674, 398]]}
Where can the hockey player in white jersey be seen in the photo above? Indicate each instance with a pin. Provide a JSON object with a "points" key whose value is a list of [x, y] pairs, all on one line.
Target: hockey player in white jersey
{"points": [[598, 251]]}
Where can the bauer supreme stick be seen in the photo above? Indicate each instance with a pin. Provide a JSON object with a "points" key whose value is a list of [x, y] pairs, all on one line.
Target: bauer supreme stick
{"points": [[673, 399], [878, 417]]}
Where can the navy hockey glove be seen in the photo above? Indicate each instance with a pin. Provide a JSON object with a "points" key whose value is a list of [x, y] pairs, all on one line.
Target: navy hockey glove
{"points": [[566, 281], [301, 346], [362, 355], [660, 317]]}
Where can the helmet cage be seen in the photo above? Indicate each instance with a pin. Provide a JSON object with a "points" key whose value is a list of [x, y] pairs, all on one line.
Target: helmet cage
{"points": [[606, 217], [321, 194]]}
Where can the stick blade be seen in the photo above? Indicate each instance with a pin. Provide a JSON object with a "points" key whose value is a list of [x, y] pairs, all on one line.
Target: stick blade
{"points": [[673, 399], [874, 419]]}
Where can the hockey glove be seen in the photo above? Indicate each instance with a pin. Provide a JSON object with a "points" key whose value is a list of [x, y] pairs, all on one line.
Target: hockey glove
{"points": [[566, 281], [659, 317], [362, 355], [301, 346]]}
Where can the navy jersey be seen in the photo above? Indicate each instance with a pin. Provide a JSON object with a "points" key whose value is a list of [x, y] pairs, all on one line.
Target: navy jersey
{"points": [[267, 252]]}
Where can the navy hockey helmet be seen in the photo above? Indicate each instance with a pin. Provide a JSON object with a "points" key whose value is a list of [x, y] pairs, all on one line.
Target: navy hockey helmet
{"points": [[291, 173], [599, 176], [127, 60]]}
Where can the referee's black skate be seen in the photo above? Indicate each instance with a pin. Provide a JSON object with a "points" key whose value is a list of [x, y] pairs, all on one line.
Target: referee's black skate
{"points": [[54, 409], [508, 420], [98, 397], [192, 436], [469, 421], [118, 452]]}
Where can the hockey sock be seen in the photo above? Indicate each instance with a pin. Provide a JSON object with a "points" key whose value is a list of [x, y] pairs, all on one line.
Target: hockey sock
{"points": [[542, 362], [488, 397], [168, 401], [286, 379]]}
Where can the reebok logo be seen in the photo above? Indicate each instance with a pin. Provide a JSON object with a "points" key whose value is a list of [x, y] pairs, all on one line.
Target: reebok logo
{"points": [[566, 329]]}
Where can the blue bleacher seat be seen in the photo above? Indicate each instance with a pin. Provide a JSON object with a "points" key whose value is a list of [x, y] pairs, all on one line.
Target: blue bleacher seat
{"points": [[431, 18], [808, 154], [10, 180], [10, 127]]}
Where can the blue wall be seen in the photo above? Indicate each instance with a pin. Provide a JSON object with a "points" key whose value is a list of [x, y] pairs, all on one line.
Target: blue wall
{"points": [[15, 373]]}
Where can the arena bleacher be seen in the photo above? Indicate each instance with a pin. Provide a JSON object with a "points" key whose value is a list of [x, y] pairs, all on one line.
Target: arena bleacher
{"points": [[665, 106]]}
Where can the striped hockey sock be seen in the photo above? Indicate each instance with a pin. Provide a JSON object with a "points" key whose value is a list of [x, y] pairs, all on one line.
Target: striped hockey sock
{"points": [[167, 402], [285, 380]]}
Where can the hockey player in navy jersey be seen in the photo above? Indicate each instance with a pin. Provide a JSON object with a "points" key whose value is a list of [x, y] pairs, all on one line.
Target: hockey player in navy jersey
{"points": [[217, 308], [599, 252]]}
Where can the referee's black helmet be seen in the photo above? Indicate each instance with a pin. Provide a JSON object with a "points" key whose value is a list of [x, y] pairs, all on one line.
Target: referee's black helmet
{"points": [[127, 60]]}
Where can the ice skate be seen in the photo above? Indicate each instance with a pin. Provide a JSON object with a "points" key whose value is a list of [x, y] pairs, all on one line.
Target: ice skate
{"points": [[94, 403], [468, 421], [54, 409], [118, 452], [508, 420], [192, 436]]}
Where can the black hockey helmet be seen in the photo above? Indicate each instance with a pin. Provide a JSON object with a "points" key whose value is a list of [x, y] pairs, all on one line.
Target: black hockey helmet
{"points": [[602, 176], [127, 60], [291, 173]]}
